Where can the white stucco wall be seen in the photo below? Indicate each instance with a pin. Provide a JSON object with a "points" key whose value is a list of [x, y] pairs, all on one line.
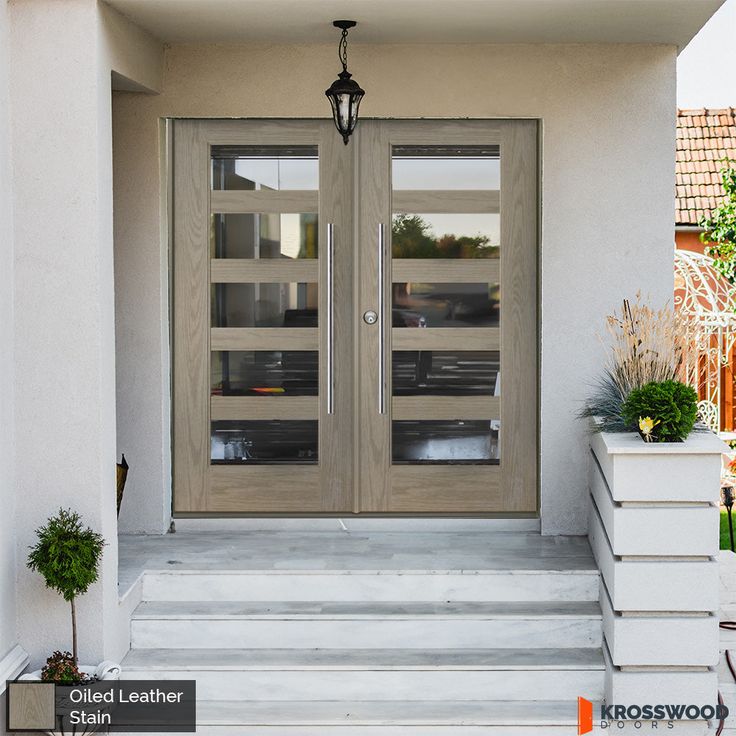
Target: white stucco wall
{"points": [[608, 116], [65, 438], [8, 625], [65, 414], [142, 348]]}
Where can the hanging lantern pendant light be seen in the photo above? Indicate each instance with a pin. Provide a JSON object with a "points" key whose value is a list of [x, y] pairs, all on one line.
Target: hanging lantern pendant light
{"points": [[344, 93]]}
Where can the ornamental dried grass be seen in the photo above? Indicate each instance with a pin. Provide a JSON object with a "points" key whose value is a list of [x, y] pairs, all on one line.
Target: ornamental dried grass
{"points": [[645, 345]]}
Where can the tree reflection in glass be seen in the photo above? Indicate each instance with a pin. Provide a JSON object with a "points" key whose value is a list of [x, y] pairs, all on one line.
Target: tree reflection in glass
{"points": [[414, 237]]}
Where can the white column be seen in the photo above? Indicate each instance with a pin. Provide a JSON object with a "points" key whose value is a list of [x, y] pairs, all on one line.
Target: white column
{"points": [[653, 527], [63, 302]]}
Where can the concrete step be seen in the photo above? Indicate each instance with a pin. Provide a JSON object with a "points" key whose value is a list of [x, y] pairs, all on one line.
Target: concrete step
{"points": [[372, 625], [550, 579], [398, 718], [376, 674]]}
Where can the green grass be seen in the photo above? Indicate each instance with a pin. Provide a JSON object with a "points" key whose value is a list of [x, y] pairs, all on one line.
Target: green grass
{"points": [[725, 541]]}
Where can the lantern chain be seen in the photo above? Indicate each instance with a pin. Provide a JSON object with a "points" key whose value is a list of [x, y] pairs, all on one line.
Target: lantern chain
{"points": [[342, 50]]}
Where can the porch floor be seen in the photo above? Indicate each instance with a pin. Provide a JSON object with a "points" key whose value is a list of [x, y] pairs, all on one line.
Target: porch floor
{"points": [[467, 551]]}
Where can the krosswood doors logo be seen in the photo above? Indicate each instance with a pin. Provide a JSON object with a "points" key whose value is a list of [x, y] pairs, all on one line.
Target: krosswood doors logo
{"points": [[667, 713]]}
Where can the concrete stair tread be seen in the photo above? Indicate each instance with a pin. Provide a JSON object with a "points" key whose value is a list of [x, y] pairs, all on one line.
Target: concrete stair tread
{"points": [[363, 659], [389, 713], [218, 610], [320, 586], [502, 566]]}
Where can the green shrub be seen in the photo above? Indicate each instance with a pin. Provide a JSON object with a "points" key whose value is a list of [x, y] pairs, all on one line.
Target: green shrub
{"points": [[673, 407], [67, 555]]}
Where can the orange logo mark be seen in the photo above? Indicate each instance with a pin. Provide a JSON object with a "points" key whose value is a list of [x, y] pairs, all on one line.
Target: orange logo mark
{"points": [[585, 716]]}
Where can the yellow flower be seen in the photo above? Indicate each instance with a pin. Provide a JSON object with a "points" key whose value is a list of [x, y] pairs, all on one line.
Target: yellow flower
{"points": [[646, 426]]}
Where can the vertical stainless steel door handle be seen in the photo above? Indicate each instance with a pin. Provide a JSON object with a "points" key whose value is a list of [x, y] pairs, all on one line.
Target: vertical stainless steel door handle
{"points": [[381, 321], [330, 356]]}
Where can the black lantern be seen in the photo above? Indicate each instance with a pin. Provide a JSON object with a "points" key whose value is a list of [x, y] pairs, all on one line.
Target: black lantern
{"points": [[344, 93]]}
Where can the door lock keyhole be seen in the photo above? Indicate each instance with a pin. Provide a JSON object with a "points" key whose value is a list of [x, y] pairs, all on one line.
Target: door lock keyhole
{"points": [[370, 317]]}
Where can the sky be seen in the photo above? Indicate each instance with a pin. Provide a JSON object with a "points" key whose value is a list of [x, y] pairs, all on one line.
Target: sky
{"points": [[706, 68]]}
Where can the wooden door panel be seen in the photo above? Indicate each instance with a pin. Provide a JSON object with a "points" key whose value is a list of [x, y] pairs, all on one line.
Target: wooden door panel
{"points": [[446, 489], [190, 320], [466, 448], [229, 455], [519, 340], [265, 489]]}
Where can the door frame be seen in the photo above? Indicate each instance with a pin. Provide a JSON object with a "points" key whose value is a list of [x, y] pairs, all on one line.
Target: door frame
{"points": [[522, 485]]}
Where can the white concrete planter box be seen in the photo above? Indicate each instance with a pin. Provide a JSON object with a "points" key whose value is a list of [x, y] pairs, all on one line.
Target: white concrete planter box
{"points": [[650, 641], [652, 686], [651, 584], [660, 471], [634, 529], [653, 528]]}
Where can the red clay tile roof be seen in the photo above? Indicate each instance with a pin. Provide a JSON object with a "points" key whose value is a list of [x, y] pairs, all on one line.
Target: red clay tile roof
{"points": [[704, 138]]}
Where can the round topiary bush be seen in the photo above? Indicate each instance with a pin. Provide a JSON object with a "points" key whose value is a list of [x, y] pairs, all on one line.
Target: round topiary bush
{"points": [[67, 555], [671, 406]]}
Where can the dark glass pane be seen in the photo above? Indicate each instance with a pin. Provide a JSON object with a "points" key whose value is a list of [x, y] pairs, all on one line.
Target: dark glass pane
{"points": [[290, 235], [445, 167], [445, 305], [445, 236], [265, 442], [445, 442], [265, 167], [265, 373], [445, 373], [264, 305]]}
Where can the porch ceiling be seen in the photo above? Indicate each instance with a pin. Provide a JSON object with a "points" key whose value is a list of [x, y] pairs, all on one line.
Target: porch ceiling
{"points": [[423, 21]]}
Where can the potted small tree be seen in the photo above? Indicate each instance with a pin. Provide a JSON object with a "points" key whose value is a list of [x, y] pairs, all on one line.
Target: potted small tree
{"points": [[67, 555]]}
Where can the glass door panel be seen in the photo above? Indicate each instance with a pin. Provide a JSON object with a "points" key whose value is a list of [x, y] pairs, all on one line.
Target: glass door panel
{"points": [[445, 373], [266, 373], [262, 244], [438, 167], [445, 441], [267, 167], [265, 235], [466, 178], [269, 441]]}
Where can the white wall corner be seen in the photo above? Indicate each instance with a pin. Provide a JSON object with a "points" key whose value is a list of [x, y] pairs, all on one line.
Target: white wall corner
{"points": [[12, 665], [134, 56]]}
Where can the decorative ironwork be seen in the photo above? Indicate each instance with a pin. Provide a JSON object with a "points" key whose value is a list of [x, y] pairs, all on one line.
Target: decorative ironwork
{"points": [[704, 300], [708, 414]]}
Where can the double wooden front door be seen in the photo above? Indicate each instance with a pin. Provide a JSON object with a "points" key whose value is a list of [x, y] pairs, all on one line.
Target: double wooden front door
{"points": [[355, 327]]}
